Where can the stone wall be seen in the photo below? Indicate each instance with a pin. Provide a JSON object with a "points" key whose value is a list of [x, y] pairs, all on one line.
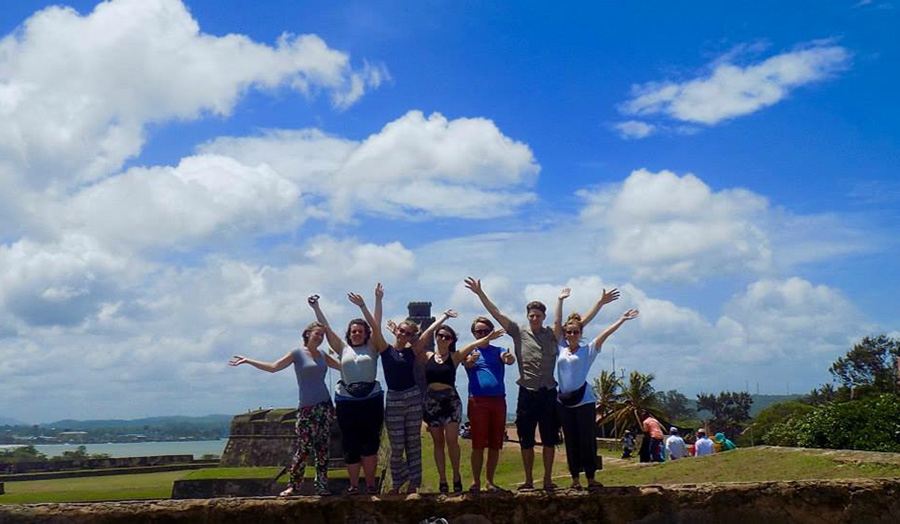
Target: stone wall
{"points": [[813, 502], [267, 437]]}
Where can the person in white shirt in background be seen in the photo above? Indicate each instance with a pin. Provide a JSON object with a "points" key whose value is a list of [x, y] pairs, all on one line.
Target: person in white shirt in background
{"points": [[675, 448], [703, 446]]}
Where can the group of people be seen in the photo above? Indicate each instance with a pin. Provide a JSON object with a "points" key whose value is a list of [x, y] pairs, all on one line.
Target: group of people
{"points": [[655, 447], [554, 393]]}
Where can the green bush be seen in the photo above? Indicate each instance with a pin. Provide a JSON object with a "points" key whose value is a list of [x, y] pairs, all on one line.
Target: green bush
{"points": [[775, 414], [871, 424]]}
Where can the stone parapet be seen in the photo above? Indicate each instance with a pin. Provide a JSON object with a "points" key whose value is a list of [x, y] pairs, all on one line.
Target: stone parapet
{"points": [[813, 502]]}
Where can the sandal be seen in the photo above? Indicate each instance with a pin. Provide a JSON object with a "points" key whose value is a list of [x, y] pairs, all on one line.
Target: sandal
{"points": [[443, 488], [475, 488], [493, 488], [372, 490], [457, 486], [550, 487], [289, 492], [525, 487], [352, 490], [323, 492]]}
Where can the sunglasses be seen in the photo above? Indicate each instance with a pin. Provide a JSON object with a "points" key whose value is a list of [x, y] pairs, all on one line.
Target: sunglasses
{"points": [[482, 332], [572, 332], [443, 336], [405, 333]]}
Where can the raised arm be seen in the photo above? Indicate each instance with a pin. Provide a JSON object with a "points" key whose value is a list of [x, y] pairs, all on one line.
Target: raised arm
{"points": [[474, 285], [332, 360], [333, 339], [601, 338], [419, 345], [605, 298], [271, 367], [377, 337], [557, 317], [460, 355], [379, 296]]}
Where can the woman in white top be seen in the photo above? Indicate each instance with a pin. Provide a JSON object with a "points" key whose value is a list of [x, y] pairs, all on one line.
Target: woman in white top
{"points": [[358, 397], [578, 402]]}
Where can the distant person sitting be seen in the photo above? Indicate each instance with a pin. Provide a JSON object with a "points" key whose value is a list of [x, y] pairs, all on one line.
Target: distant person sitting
{"points": [[627, 444], [703, 446], [724, 443], [652, 445], [675, 448]]}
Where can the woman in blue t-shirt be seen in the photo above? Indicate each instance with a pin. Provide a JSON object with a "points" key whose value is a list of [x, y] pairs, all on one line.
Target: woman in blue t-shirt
{"points": [[573, 363], [315, 413]]}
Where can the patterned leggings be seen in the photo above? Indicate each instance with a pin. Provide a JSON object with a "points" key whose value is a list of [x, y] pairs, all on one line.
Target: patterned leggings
{"points": [[403, 417], [313, 438]]}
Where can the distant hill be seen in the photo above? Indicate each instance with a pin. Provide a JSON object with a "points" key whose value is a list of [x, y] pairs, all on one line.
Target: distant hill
{"points": [[78, 425], [6, 421]]}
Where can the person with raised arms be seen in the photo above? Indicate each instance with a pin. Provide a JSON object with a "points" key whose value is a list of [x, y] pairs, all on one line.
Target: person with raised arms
{"points": [[403, 411], [535, 349], [315, 413], [485, 367], [443, 408], [358, 395], [576, 397]]}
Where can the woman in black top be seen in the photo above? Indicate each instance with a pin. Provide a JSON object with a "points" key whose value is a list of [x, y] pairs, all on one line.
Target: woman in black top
{"points": [[443, 409]]}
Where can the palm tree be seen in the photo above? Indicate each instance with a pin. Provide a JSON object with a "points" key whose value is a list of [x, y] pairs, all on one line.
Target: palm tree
{"points": [[637, 397], [607, 390]]}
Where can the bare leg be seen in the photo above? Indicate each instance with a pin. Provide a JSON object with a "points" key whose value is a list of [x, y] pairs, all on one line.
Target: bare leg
{"points": [[451, 435], [477, 461], [369, 464], [528, 463], [548, 452], [438, 435], [492, 460], [353, 473]]}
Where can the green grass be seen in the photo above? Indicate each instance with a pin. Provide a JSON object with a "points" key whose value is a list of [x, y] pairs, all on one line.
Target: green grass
{"points": [[88, 489], [741, 465], [747, 465]]}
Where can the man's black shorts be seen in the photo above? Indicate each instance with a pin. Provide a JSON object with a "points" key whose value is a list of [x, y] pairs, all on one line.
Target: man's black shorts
{"points": [[537, 409]]}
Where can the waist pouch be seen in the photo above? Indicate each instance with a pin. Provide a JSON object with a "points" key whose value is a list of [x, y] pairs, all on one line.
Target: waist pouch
{"points": [[358, 389], [572, 398]]}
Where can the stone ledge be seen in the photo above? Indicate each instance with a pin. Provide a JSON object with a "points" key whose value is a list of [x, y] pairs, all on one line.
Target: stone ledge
{"points": [[818, 502]]}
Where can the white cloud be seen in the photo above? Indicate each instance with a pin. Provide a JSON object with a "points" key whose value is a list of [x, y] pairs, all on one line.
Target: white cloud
{"points": [[415, 166], [668, 226], [730, 91], [168, 207], [634, 129], [77, 91], [64, 282]]}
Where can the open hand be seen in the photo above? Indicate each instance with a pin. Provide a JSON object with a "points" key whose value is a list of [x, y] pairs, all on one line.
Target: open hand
{"points": [[630, 314], [451, 313], [237, 360], [497, 333], [609, 296], [356, 299], [392, 327], [564, 294], [474, 285]]}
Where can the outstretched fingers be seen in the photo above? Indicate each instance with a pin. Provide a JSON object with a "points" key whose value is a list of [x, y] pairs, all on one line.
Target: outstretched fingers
{"points": [[356, 299], [630, 314]]}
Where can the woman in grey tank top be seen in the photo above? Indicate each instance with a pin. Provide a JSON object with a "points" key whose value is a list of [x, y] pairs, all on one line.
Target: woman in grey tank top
{"points": [[316, 412]]}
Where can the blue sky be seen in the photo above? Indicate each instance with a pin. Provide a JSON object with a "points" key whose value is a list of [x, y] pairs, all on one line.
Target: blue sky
{"points": [[178, 176]]}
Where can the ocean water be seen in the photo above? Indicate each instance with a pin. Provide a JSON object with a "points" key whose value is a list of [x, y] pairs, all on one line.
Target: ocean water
{"points": [[197, 448]]}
